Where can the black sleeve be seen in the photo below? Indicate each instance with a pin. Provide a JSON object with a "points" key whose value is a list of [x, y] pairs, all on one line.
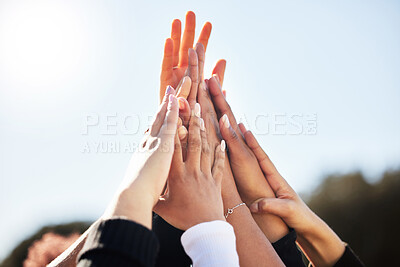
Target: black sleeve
{"points": [[287, 250], [171, 249], [349, 258], [119, 243]]}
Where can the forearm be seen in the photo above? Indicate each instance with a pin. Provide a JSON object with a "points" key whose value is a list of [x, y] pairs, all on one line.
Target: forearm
{"points": [[272, 226], [321, 244], [253, 247]]}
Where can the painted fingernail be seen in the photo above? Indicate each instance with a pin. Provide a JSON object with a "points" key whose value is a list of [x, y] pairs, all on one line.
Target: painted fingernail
{"points": [[181, 103], [223, 145], [197, 110], [169, 89], [170, 101], [225, 120], [182, 132], [202, 124]]}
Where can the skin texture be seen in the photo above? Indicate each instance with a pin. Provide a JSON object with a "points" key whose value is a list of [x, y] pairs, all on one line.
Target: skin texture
{"points": [[194, 194], [143, 183], [249, 178], [254, 251], [176, 57], [319, 242]]}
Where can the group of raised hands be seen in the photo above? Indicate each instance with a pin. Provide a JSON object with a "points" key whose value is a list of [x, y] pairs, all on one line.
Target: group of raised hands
{"points": [[204, 173]]}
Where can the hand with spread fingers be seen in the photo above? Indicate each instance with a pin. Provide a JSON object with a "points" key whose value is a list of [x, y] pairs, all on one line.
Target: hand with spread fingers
{"points": [[177, 55], [249, 178], [180, 59], [143, 183], [320, 243], [194, 184]]}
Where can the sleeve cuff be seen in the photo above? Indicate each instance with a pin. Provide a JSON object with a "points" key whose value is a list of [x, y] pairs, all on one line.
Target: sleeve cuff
{"points": [[349, 258], [287, 249], [121, 238], [211, 244]]}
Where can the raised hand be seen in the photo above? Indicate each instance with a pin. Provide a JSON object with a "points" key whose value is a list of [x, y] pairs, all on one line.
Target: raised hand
{"points": [[318, 241], [143, 182], [249, 177], [176, 52], [194, 185]]}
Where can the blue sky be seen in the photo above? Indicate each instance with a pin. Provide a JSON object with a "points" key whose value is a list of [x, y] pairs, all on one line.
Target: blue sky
{"points": [[64, 64]]}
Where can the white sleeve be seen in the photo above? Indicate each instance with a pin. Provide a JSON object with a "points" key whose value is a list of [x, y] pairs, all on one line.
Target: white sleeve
{"points": [[211, 244]]}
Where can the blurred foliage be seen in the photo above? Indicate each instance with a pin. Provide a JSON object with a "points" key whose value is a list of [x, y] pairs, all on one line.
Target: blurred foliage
{"points": [[364, 215], [19, 254]]}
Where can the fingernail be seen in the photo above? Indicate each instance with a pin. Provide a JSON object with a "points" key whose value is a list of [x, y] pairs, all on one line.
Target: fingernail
{"points": [[225, 120], [202, 124], [216, 77], [197, 110], [182, 132], [170, 101], [168, 91], [254, 207], [223, 145], [181, 103]]}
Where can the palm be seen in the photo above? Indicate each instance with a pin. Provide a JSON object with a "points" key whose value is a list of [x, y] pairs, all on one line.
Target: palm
{"points": [[175, 60]]}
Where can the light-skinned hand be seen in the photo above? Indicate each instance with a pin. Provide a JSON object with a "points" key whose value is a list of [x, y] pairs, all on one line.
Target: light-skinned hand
{"points": [[143, 182]]}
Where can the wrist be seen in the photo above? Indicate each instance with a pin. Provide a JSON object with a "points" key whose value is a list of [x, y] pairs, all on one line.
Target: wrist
{"points": [[320, 243]]}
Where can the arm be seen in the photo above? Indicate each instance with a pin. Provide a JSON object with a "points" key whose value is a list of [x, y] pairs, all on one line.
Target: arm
{"points": [[123, 237], [249, 178], [319, 242], [253, 247], [193, 201]]}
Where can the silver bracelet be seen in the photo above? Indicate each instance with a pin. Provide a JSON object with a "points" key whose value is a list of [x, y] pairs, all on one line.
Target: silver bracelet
{"points": [[230, 211]]}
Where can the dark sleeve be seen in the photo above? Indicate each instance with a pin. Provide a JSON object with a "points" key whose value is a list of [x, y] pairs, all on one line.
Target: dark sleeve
{"points": [[119, 243], [171, 249], [287, 250], [349, 258]]}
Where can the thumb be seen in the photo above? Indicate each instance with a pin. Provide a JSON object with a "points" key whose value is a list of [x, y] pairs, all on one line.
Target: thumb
{"points": [[275, 206]]}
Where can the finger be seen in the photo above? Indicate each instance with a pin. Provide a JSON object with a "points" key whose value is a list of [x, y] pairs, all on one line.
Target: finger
{"points": [[221, 105], [184, 111], [235, 145], [169, 127], [166, 66], [218, 167], [219, 70], [194, 139], [182, 133], [205, 164], [187, 39], [160, 116], [205, 35], [193, 73], [275, 180], [276, 206], [177, 158], [176, 38], [200, 58], [184, 87]]}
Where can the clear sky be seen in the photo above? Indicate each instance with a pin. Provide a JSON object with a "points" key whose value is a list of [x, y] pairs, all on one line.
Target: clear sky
{"points": [[333, 65]]}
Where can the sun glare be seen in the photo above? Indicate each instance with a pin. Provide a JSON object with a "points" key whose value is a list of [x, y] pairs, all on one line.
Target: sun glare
{"points": [[40, 45]]}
